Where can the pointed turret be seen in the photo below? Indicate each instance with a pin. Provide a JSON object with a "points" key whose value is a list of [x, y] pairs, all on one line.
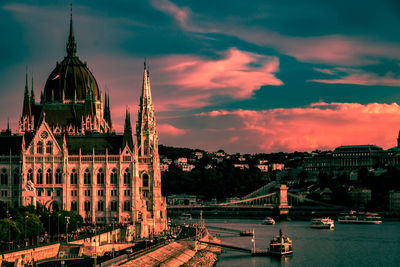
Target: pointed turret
{"points": [[26, 108], [146, 131], [32, 94], [107, 112], [128, 138], [71, 45]]}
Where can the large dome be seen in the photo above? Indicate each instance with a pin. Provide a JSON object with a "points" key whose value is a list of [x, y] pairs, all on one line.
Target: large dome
{"points": [[71, 77]]}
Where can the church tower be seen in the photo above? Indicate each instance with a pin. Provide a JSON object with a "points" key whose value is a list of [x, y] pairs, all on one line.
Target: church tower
{"points": [[149, 160]]}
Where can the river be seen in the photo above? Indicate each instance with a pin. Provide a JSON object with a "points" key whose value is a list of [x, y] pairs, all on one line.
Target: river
{"points": [[346, 245]]}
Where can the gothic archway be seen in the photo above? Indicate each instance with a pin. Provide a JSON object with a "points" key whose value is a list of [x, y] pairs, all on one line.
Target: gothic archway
{"points": [[53, 206]]}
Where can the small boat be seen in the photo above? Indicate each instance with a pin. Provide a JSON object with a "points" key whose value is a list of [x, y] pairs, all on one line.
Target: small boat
{"points": [[268, 221], [360, 217], [322, 223], [280, 245]]}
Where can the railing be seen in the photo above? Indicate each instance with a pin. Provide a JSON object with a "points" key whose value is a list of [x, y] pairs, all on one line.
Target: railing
{"points": [[6, 159]]}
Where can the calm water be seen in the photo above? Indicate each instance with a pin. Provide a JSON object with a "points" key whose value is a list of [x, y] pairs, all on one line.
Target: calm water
{"points": [[347, 245]]}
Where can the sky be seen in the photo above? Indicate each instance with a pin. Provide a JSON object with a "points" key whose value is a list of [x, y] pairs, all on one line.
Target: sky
{"points": [[246, 77]]}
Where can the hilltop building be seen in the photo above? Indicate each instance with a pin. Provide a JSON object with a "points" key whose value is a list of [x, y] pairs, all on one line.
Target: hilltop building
{"points": [[67, 155]]}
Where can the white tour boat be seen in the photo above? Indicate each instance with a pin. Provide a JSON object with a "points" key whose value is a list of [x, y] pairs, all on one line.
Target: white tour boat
{"points": [[322, 223], [360, 217], [280, 245]]}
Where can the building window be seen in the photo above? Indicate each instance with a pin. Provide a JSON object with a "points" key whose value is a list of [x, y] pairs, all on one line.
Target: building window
{"points": [[87, 205], [114, 205], [49, 147], [113, 177], [145, 180], [39, 177], [39, 147], [74, 193], [29, 175], [74, 177], [39, 193], [3, 177], [3, 193], [100, 177], [87, 177], [100, 193], [16, 176], [58, 193], [49, 193], [58, 176], [113, 193], [127, 205], [100, 206], [127, 176], [49, 177], [127, 193], [74, 205], [87, 193]]}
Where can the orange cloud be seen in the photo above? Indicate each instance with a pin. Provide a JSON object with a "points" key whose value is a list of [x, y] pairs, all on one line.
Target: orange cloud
{"points": [[168, 129], [318, 126]]}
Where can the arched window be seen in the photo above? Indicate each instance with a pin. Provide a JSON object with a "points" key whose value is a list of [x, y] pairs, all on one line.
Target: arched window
{"points": [[100, 206], [87, 205], [114, 205], [87, 177], [16, 176], [39, 147], [100, 177], [29, 175], [49, 147], [113, 177], [49, 177], [127, 205], [74, 177], [58, 176], [39, 177], [127, 176], [145, 178], [74, 205], [3, 177]]}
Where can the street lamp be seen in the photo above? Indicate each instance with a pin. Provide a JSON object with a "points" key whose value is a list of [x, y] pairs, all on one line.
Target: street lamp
{"points": [[66, 225], [58, 227], [26, 217], [49, 228], [9, 233], [38, 228]]}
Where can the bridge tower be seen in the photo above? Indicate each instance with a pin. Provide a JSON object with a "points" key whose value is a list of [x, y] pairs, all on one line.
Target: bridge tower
{"points": [[282, 209]]}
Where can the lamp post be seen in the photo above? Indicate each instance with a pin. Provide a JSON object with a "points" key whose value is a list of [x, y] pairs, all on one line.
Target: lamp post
{"points": [[66, 226], [26, 217], [58, 227], [49, 228], [38, 228], [9, 233]]}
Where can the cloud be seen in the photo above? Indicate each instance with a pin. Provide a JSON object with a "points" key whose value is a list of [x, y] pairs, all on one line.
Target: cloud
{"points": [[335, 49], [317, 126], [231, 76], [360, 77], [168, 129]]}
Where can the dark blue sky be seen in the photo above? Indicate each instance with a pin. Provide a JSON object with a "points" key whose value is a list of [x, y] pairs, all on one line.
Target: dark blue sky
{"points": [[244, 77]]}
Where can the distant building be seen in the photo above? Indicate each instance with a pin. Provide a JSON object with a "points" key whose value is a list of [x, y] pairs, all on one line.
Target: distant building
{"points": [[187, 167], [263, 167], [359, 196], [181, 199], [241, 158], [164, 167], [262, 161], [220, 154], [394, 201], [218, 160], [180, 161], [241, 166], [277, 167], [207, 167], [167, 161], [198, 154]]}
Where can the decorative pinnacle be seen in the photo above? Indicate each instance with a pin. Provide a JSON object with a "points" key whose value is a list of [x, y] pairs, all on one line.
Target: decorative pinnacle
{"points": [[71, 45]]}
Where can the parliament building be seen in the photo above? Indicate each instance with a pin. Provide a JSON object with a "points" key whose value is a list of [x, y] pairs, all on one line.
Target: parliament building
{"points": [[67, 155]]}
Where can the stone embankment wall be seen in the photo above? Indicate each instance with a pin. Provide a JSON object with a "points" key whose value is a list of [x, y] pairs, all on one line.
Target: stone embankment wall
{"points": [[206, 254], [26, 255]]}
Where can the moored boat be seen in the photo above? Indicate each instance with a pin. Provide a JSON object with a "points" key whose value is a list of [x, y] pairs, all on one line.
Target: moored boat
{"points": [[322, 223], [268, 221], [360, 217], [280, 245]]}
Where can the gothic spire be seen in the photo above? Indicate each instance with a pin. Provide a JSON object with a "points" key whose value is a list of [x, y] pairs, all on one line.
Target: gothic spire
{"points": [[32, 93], [26, 108], [71, 45], [128, 139]]}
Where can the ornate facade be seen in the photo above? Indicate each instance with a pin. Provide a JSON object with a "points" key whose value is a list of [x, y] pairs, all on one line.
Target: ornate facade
{"points": [[68, 156]]}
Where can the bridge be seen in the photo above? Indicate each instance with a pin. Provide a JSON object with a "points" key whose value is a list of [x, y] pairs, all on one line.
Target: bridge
{"points": [[271, 198]]}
